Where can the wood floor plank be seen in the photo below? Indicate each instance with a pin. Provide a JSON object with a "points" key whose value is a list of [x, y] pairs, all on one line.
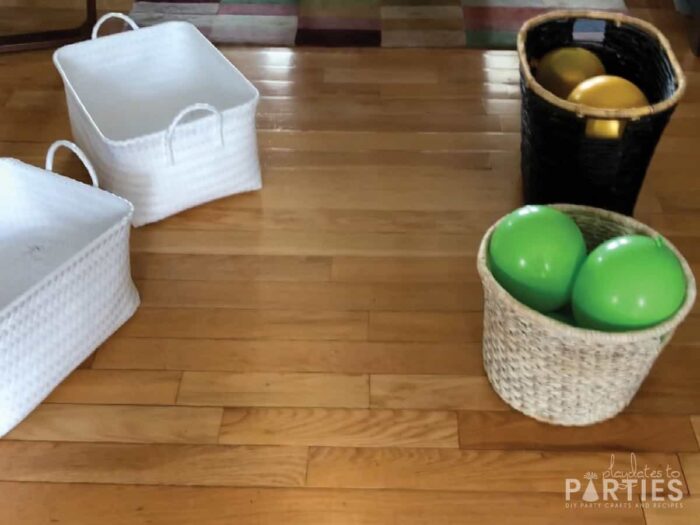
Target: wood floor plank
{"points": [[405, 269], [677, 361], [125, 424], [42, 503], [388, 140], [673, 385], [469, 160], [688, 332], [230, 267], [445, 469], [274, 390], [696, 425], [434, 392], [341, 357], [425, 326], [201, 465], [514, 431], [306, 119], [310, 295], [664, 394], [685, 515], [445, 197], [296, 243], [138, 387], [222, 323], [339, 427], [427, 297], [255, 295], [691, 471]]}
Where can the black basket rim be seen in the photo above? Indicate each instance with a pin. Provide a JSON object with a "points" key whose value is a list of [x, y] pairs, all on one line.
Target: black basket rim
{"points": [[588, 111]]}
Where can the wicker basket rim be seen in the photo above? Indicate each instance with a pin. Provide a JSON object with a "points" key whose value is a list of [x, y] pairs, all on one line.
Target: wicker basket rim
{"points": [[588, 111], [592, 336]]}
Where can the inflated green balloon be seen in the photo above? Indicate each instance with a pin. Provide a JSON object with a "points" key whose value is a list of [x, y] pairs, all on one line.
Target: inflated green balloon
{"points": [[628, 283], [563, 316], [535, 253]]}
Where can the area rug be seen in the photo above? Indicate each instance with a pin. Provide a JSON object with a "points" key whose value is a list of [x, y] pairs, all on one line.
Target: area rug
{"points": [[385, 23]]}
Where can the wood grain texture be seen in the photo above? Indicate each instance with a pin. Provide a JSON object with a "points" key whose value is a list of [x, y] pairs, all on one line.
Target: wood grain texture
{"points": [[672, 385], [223, 218], [121, 387], [319, 243], [339, 427], [685, 515], [258, 389], [434, 392], [149, 464], [129, 424], [344, 357], [237, 268], [221, 323], [311, 296], [443, 469], [425, 326], [405, 270], [691, 471], [161, 505], [667, 395], [640, 432]]}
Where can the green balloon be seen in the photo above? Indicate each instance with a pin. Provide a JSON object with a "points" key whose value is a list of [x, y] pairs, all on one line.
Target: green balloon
{"points": [[535, 253], [628, 283], [563, 316]]}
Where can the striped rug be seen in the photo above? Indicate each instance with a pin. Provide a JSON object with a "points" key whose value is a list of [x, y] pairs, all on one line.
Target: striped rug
{"points": [[386, 23]]}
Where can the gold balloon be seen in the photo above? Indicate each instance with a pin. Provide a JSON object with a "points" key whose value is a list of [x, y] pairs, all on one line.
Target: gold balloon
{"points": [[561, 70], [607, 92]]}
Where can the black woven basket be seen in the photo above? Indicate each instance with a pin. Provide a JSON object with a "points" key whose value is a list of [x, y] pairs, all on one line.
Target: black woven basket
{"points": [[559, 162]]}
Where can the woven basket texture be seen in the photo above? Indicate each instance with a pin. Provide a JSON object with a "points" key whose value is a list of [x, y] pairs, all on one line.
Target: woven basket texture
{"points": [[559, 163], [76, 288], [167, 120], [561, 374]]}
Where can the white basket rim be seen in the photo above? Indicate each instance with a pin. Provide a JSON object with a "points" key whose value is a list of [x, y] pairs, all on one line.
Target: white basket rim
{"points": [[125, 221], [155, 134], [608, 339]]}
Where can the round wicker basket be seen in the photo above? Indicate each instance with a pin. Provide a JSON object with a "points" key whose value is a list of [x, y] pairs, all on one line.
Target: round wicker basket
{"points": [[562, 374]]}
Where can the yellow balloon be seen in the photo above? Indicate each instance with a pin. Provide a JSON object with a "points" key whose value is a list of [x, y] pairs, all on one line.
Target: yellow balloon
{"points": [[561, 70], [607, 92], [604, 129]]}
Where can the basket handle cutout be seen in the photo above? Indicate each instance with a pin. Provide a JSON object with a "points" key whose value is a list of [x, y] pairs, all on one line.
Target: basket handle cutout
{"points": [[589, 29], [199, 106], [104, 18], [78, 152]]}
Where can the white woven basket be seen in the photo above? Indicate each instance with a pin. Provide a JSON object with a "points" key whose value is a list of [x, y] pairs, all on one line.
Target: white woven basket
{"points": [[66, 283], [132, 98], [558, 373]]}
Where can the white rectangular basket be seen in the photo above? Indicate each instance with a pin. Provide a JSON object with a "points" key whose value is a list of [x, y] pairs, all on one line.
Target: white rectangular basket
{"points": [[130, 99], [66, 281]]}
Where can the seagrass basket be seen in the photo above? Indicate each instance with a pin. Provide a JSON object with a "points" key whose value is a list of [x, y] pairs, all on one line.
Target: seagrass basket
{"points": [[559, 163], [559, 373]]}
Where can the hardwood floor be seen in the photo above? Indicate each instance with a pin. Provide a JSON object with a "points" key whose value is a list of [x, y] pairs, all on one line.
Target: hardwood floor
{"points": [[310, 353]]}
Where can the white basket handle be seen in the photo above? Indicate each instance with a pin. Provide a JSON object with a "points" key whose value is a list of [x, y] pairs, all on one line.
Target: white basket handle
{"points": [[79, 153], [199, 106], [106, 17]]}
